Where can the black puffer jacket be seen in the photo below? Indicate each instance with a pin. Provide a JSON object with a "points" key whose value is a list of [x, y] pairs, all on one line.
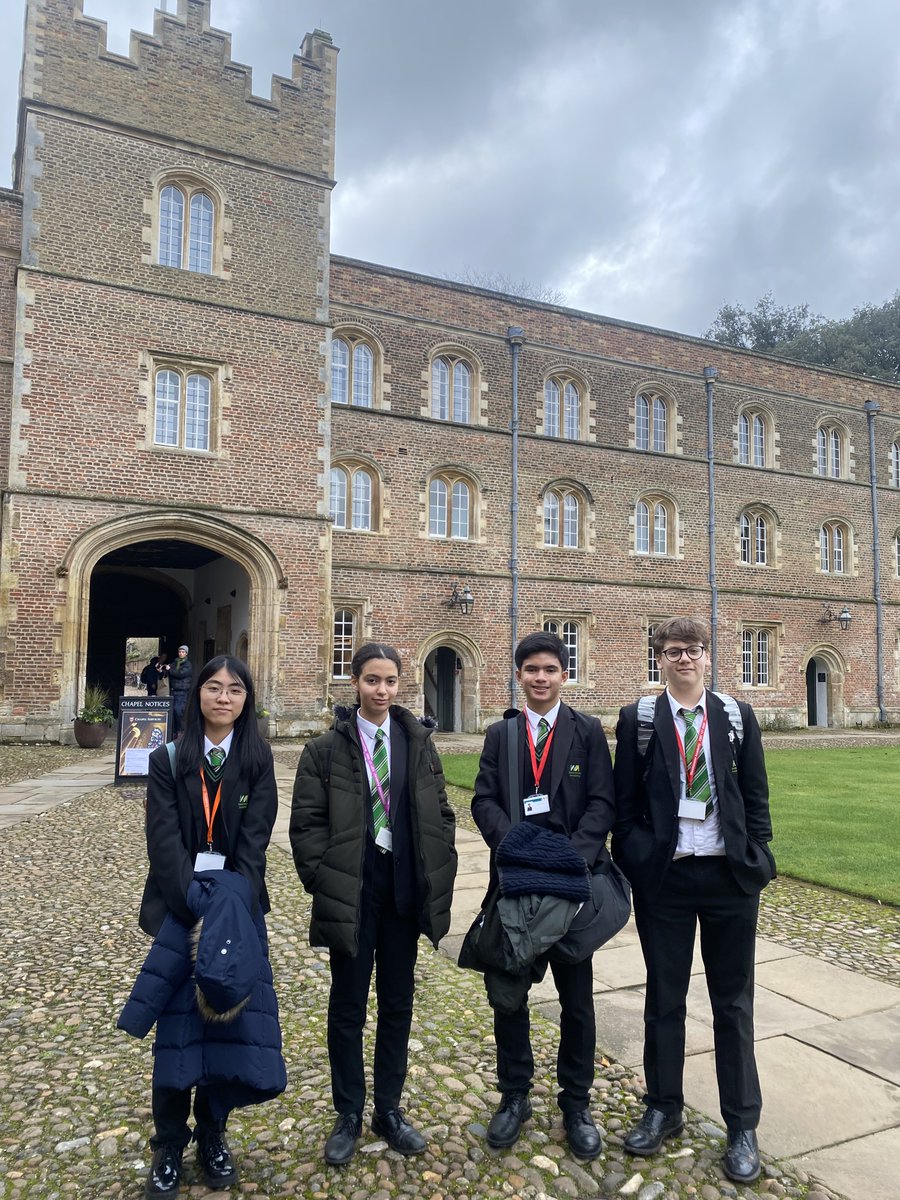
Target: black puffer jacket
{"points": [[329, 828]]}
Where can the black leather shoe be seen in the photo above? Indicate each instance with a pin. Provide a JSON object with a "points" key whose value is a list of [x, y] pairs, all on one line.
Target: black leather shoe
{"points": [[164, 1178], [741, 1161], [506, 1123], [341, 1145], [582, 1134], [397, 1132], [215, 1161], [652, 1130]]}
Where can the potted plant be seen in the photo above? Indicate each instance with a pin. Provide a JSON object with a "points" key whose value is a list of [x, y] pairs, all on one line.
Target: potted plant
{"points": [[95, 719], [262, 720]]}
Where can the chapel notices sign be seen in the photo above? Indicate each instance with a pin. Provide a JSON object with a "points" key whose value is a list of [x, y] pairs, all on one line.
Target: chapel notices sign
{"points": [[144, 723]]}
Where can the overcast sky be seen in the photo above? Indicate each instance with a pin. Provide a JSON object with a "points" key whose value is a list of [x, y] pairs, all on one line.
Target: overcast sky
{"points": [[648, 158]]}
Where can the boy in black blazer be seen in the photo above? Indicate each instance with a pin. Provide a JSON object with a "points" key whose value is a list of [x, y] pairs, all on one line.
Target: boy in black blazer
{"points": [[565, 784], [692, 833]]}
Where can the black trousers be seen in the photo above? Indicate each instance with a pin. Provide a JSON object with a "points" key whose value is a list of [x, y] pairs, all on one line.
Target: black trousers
{"points": [[577, 1039], [171, 1109], [700, 889], [389, 943]]}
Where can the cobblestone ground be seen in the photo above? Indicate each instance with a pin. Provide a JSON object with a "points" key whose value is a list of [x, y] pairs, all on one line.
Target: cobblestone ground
{"points": [[74, 1093]]}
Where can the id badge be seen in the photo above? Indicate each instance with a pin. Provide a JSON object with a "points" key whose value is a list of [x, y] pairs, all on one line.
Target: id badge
{"points": [[385, 839], [538, 803], [207, 861], [693, 810]]}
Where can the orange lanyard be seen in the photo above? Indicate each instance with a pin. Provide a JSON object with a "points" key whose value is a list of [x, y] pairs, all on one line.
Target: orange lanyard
{"points": [[210, 816], [689, 772], [538, 770]]}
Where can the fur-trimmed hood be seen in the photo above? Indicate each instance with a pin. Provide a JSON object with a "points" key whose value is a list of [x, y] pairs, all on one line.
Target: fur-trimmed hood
{"points": [[225, 948]]}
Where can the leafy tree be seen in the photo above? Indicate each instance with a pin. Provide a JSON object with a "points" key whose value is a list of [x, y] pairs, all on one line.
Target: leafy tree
{"points": [[766, 327], [867, 343]]}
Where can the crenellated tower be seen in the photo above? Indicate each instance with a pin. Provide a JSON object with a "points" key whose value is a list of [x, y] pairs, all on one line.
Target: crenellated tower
{"points": [[167, 425]]}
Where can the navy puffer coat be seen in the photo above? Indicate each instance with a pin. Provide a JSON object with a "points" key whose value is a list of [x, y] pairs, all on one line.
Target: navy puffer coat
{"points": [[238, 1058]]}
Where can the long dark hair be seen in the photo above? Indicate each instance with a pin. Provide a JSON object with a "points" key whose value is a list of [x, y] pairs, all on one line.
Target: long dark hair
{"points": [[253, 751]]}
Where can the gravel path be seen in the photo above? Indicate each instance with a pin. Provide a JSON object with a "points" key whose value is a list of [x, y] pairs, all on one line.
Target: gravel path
{"points": [[74, 1093]]}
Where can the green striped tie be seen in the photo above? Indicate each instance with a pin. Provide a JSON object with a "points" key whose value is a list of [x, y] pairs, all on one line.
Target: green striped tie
{"points": [[215, 761], [383, 771], [700, 788], [543, 734]]}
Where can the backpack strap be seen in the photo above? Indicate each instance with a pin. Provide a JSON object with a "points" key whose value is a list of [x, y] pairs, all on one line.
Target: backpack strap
{"points": [[735, 719], [646, 708], [170, 750]]}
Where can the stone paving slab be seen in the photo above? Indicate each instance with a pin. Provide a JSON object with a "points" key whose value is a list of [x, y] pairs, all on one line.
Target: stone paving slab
{"points": [[773, 1014], [832, 990], [871, 1042], [810, 1099], [863, 1169], [620, 1027]]}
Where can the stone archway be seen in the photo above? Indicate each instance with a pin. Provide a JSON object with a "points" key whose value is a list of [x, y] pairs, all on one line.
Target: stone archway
{"points": [[444, 652], [264, 572], [825, 669]]}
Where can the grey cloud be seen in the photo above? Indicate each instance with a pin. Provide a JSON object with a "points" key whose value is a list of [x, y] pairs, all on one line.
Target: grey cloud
{"points": [[653, 159]]}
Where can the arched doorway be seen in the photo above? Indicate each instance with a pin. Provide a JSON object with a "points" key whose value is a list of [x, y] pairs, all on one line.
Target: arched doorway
{"points": [[192, 579], [443, 688], [173, 591], [450, 666], [825, 671], [817, 693]]}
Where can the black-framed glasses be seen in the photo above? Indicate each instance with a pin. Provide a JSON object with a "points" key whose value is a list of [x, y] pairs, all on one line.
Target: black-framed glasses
{"points": [[674, 653]]}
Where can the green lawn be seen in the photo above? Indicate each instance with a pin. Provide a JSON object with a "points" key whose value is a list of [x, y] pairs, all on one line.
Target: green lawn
{"points": [[836, 815]]}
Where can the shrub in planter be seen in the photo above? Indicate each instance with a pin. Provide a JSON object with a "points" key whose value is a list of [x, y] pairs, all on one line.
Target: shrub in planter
{"points": [[94, 721], [262, 720]]}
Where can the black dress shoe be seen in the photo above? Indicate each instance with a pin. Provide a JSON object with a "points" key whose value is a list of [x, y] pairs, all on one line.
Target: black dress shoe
{"points": [[582, 1134], [741, 1160], [515, 1108], [341, 1145], [215, 1161], [397, 1132], [652, 1130], [164, 1178]]}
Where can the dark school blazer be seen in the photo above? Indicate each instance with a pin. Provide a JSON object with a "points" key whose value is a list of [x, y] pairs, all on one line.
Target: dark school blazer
{"points": [[580, 784], [176, 829], [648, 792]]}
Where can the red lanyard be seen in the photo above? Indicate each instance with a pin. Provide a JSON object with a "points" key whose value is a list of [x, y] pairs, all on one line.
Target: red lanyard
{"points": [[210, 817], [689, 772], [538, 770]]}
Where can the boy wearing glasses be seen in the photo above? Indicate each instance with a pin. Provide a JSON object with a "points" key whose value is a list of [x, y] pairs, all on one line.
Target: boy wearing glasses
{"points": [[691, 834]]}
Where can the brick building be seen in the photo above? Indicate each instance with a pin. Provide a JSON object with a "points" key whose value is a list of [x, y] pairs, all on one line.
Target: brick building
{"points": [[212, 430]]}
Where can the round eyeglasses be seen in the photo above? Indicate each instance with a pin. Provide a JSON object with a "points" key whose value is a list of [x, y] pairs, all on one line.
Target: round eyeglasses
{"points": [[214, 690], [674, 653]]}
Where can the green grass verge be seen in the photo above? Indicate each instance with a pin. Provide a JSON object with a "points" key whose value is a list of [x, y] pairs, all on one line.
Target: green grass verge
{"points": [[835, 812]]}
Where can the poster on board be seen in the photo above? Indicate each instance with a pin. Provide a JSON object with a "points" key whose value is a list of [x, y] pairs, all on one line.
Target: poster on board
{"points": [[144, 723]]}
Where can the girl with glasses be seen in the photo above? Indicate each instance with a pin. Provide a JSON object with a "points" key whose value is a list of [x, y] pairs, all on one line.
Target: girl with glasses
{"points": [[211, 806]]}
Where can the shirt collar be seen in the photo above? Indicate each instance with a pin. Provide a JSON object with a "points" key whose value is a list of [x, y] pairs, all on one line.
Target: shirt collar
{"points": [[534, 718], [370, 729], [677, 706], [225, 744]]}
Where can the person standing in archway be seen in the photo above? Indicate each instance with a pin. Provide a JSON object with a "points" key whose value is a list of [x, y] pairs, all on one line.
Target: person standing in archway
{"points": [[181, 675], [372, 834]]}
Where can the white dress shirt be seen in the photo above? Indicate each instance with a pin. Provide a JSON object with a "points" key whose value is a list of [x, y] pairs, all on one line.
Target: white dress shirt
{"points": [[702, 838], [534, 719], [225, 744], [367, 731]]}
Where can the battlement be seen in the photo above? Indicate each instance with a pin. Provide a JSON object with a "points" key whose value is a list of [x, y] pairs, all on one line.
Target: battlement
{"points": [[180, 83]]}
